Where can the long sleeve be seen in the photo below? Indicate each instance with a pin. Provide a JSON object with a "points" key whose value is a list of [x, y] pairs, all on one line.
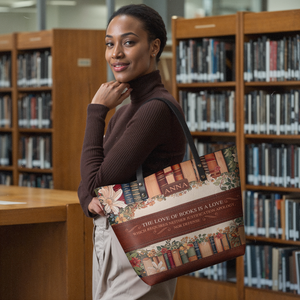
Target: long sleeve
{"points": [[137, 134]]}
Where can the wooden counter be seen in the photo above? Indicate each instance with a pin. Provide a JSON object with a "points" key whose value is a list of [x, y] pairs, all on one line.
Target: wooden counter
{"points": [[41, 245]]}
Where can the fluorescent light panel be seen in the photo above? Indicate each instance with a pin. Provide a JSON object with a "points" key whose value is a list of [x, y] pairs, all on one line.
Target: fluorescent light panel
{"points": [[22, 4], [64, 3], [4, 9]]}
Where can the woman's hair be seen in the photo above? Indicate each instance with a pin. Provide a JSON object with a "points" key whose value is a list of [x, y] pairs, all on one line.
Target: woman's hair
{"points": [[151, 20]]}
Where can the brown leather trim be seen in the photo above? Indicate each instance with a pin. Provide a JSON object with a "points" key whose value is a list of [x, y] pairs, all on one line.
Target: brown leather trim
{"points": [[180, 220], [195, 265]]}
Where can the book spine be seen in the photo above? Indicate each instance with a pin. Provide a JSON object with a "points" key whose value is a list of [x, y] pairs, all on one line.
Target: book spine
{"points": [[127, 193]]}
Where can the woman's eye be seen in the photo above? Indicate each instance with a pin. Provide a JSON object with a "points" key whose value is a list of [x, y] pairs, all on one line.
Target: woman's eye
{"points": [[129, 43], [108, 44]]}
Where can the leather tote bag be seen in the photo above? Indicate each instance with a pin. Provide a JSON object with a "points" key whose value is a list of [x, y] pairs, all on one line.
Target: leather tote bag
{"points": [[181, 219]]}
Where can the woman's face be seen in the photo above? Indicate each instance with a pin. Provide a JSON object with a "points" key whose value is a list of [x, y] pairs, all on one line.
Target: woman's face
{"points": [[128, 51]]}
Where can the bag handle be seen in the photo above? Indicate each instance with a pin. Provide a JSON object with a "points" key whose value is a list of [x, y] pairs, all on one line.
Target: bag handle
{"points": [[181, 120]]}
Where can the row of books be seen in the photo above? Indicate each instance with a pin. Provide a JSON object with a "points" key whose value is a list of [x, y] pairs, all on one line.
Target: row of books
{"points": [[35, 152], [276, 113], [205, 60], [272, 215], [5, 178], [204, 148], [5, 149], [5, 111], [217, 272], [184, 253], [35, 110], [34, 68], [164, 181], [5, 70], [36, 180], [209, 110], [273, 268], [273, 165], [266, 59]]}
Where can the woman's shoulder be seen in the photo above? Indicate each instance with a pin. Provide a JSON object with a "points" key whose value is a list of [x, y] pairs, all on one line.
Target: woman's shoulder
{"points": [[158, 102]]}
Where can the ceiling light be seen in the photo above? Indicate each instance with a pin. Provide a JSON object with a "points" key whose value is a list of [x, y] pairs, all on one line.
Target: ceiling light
{"points": [[22, 4], [64, 3], [4, 9]]}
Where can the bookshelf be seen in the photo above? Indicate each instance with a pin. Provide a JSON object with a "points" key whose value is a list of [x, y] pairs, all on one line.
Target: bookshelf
{"points": [[275, 86], [64, 69], [283, 81], [7, 93]]}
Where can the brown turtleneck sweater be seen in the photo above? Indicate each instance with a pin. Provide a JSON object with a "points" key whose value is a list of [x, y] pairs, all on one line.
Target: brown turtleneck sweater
{"points": [[150, 136]]}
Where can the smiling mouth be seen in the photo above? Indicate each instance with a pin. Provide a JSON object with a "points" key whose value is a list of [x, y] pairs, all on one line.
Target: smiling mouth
{"points": [[120, 67]]}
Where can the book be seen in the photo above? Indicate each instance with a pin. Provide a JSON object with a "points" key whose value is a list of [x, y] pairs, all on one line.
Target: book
{"points": [[152, 186], [171, 259], [127, 193], [135, 191], [188, 171], [176, 257], [205, 249], [184, 257], [191, 253], [225, 242]]}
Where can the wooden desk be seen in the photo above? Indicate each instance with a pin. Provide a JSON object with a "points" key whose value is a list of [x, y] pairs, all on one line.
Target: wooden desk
{"points": [[41, 245]]}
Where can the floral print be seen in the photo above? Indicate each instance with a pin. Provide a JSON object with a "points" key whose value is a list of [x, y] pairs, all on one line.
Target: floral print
{"points": [[110, 199]]}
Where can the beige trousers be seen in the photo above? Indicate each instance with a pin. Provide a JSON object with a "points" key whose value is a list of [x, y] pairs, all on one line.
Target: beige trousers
{"points": [[113, 276]]}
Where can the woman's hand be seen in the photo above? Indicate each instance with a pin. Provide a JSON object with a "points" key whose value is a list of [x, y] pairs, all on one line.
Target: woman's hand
{"points": [[112, 93], [95, 207]]}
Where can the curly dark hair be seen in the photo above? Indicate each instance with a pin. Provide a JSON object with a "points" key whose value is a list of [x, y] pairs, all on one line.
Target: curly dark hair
{"points": [[150, 18]]}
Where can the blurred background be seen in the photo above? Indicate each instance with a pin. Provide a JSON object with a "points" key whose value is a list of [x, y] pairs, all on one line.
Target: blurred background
{"points": [[31, 15]]}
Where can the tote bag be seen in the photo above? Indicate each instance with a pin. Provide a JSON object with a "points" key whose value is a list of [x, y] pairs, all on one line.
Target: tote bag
{"points": [[183, 218]]}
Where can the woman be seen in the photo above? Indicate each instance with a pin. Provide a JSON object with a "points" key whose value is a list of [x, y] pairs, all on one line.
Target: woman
{"points": [[149, 135]]}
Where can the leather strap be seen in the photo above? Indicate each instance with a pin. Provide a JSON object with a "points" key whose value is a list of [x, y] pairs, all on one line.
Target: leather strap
{"points": [[181, 120]]}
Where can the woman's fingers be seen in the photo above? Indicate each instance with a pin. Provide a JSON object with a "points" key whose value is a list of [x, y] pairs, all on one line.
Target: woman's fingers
{"points": [[112, 94], [95, 207]]}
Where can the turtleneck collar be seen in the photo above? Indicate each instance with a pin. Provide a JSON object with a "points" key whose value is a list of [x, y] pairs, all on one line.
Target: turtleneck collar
{"points": [[143, 85]]}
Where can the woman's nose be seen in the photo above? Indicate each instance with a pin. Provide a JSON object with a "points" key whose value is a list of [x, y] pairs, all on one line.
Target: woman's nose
{"points": [[117, 52]]}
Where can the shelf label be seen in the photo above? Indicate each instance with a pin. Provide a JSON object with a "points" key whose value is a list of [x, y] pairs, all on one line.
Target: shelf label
{"points": [[84, 62], [35, 39], [205, 26]]}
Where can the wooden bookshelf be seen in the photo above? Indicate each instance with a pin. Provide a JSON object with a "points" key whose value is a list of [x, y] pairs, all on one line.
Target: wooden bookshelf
{"points": [[73, 86], [220, 27], [242, 27]]}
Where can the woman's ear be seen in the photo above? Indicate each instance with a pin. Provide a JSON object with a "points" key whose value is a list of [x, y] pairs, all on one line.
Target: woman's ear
{"points": [[155, 47]]}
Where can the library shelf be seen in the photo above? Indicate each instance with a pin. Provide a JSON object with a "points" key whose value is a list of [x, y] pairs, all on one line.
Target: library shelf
{"points": [[69, 60], [272, 240], [241, 28], [34, 89], [213, 134], [274, 189], [202, 85], [272, 84]]}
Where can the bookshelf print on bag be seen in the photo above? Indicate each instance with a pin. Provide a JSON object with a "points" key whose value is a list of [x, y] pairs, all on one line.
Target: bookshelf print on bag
{"points": [[183, 220]]}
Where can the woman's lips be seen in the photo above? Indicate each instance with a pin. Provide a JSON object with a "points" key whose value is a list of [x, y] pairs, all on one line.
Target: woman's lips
{"points": [[120, 67]]}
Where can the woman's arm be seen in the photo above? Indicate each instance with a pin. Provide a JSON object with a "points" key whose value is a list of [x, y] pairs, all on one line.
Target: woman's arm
{"points": [[144, 132]]}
